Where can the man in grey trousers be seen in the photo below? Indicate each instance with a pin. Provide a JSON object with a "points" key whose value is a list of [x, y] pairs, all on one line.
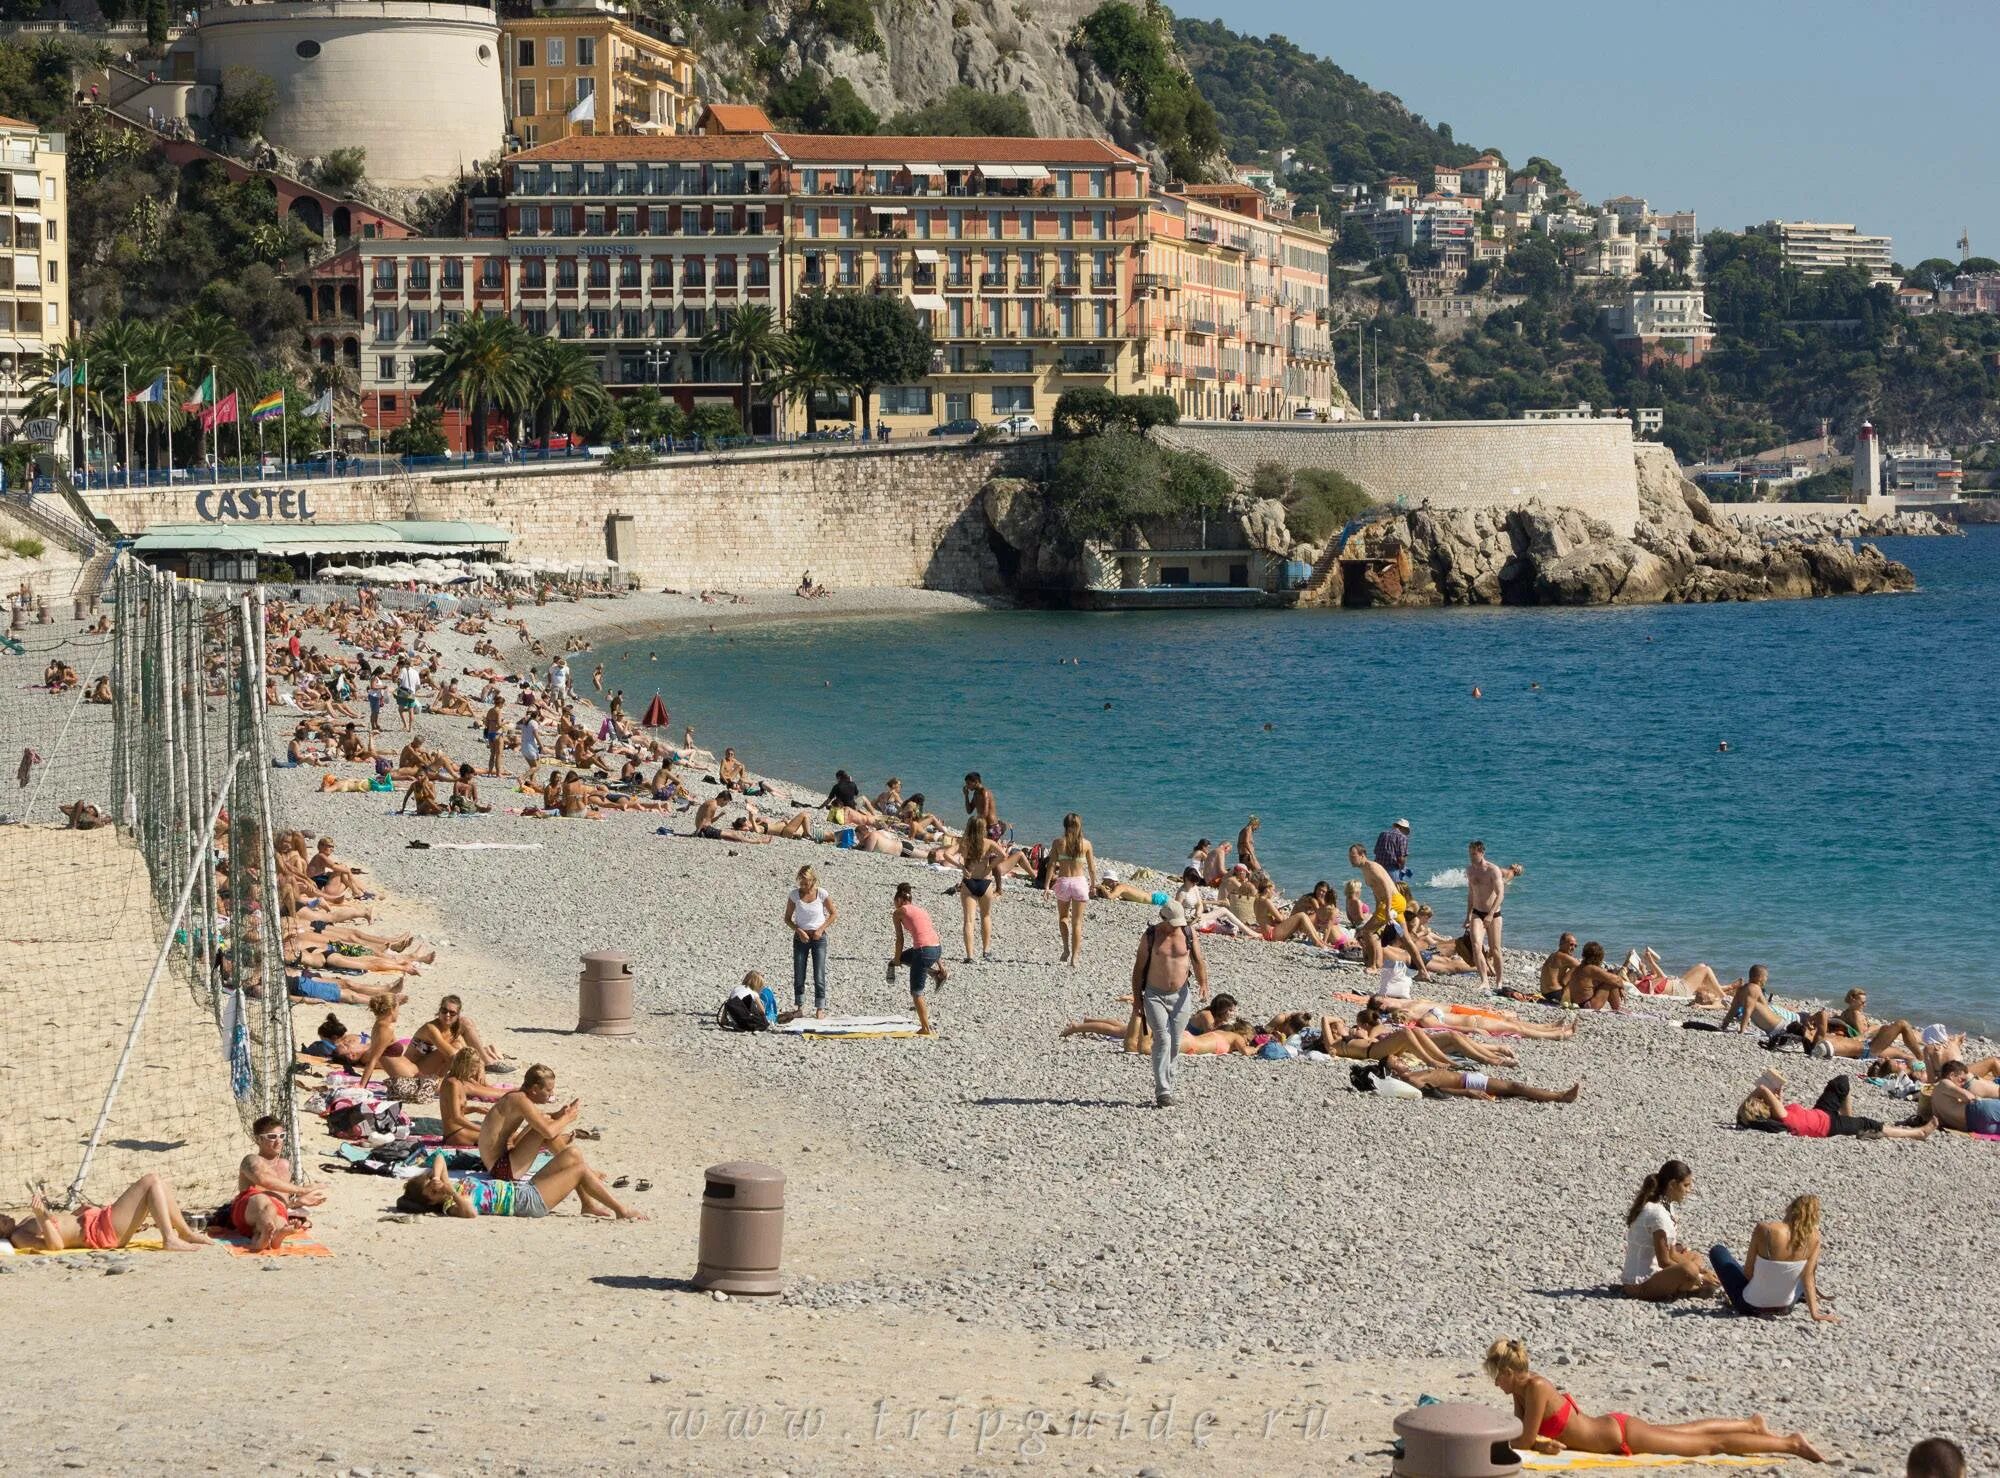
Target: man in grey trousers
{"points": [[1165, 975]]}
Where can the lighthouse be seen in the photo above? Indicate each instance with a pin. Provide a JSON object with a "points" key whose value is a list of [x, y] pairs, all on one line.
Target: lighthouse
{"points": [[1868, 470]]}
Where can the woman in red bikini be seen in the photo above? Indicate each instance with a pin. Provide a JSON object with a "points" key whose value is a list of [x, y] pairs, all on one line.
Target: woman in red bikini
{"points": [[1555, 1422], [148, 1201]]}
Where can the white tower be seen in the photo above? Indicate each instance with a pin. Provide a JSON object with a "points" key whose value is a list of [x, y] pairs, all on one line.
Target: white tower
{"points": [[1868, 468]]}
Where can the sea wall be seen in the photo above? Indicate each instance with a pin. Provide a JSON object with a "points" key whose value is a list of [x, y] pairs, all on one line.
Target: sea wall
{"points": [[894, 516], [1585, 465]]}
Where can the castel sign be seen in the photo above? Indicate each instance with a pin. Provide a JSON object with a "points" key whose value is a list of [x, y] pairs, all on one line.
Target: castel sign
{"points": [[287, 505]]}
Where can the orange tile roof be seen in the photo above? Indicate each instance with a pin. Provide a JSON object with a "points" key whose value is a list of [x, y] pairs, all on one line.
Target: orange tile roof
{"points": [[737, 117], [813, 148], [18, 123], [1217, 192], [650, 148]]}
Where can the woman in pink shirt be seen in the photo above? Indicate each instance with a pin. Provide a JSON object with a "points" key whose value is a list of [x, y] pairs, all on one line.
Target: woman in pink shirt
{"points": [[921, 956]]}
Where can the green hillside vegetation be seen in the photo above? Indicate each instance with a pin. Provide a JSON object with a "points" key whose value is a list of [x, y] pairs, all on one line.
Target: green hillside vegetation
{"points": [[1269, 94], [1133, 45], [1789, 350]]}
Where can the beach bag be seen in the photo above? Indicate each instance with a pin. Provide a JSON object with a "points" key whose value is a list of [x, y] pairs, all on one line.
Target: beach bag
{"points": [[359, 1121], [743, 1014], [1394, 980]]}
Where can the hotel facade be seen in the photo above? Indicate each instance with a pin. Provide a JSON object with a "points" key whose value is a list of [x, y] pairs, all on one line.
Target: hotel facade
{"points": [[1040, 265]]}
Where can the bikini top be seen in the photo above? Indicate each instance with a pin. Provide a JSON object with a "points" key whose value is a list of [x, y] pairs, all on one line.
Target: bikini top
{"points": [[1554, 1424]]}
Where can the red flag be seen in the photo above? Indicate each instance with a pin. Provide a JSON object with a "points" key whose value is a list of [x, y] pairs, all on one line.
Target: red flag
{"points": [[656, 714], [219, 414]]}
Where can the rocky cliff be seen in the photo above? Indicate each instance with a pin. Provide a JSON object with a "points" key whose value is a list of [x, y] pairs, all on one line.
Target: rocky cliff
{"points": [[1012, 48], [1534, 554]]}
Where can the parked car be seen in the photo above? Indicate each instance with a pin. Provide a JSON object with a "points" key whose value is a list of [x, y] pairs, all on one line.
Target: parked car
{"points": [[560, 442], [963, 426], [1020, 424]]}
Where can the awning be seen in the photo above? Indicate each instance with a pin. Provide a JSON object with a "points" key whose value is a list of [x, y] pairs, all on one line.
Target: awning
{"points": [[924, 169], [27, 270], [13, 346], [407, 538], [890, 210], [1013, 171], [27, 185], [925, 254], [928, 302], [28, 217]]}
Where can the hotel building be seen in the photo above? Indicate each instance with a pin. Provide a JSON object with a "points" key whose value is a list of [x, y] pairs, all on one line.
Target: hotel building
{"points": [[1040, 265]]}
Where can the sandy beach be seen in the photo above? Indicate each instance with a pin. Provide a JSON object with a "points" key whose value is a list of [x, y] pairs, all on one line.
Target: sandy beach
{"points": [[991, 1235]]}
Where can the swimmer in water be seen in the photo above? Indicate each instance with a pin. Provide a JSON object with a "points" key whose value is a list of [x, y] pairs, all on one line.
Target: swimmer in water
{"points": [[1477, 694], [1723, 747]]}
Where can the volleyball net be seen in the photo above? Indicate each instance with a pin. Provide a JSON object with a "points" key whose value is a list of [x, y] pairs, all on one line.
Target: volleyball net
{"points": [[142, 994]]}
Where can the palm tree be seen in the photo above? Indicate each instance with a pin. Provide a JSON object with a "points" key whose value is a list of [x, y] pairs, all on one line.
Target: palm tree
{"points": [[752, 338], [564, 391], [805, 375], [478, 364]]}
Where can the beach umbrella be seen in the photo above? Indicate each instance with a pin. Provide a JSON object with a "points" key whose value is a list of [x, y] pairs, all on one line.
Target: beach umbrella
{"points": [[656, 714]]}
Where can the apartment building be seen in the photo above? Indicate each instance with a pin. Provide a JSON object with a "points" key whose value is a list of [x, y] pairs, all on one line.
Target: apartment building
{"points": [[1816, 246], [591, 58], [1440, 221], [1483, 179], [1023, 253], [34, 275], [1234, 308]]}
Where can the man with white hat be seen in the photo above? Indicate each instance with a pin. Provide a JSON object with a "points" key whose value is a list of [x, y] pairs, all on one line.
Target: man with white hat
{"points": [[1392, 850], [1168, 969]]}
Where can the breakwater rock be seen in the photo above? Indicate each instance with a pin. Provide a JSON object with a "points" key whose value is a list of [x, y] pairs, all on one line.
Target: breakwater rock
{"points": [[1535, 554]]}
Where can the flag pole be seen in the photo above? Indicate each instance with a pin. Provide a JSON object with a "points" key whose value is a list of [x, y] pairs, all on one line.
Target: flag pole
{"points": [[125, 385], [285, 431], [167, 415], [239, 438]]}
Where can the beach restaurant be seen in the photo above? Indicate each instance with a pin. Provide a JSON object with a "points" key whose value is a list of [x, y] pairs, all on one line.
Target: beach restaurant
{"points": [[387, 551]]}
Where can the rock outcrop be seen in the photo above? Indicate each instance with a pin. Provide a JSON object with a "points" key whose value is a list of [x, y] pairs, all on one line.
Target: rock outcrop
{"points": [[1535, 554]]}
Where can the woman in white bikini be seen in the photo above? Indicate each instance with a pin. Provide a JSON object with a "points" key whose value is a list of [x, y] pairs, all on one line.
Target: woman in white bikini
{"points": [[1072, 879]]}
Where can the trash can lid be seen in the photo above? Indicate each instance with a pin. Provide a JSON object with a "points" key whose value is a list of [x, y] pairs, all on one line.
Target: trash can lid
{"points": [[1459, 1419], [607, 957], [747, 1184]]}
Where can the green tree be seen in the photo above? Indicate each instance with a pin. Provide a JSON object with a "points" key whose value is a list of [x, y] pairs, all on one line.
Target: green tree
{"points": [[1102, 485], [478, 364], [244, 103], [421, 435], [867, 341], [342, 169], [967, 112], [563, 390], [807, 374], [752, 338], [811, 104], [648, 414]]}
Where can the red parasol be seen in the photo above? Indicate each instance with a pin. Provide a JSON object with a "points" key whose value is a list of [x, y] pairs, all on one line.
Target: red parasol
{"points": [[656, 714]]}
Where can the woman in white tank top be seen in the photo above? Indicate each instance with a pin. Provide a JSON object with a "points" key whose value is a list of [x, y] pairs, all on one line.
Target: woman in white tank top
{"points": [[1782, 1266]]}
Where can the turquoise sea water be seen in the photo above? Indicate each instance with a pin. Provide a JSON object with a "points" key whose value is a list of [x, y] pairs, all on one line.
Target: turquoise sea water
{"points": [[1847, 837]]}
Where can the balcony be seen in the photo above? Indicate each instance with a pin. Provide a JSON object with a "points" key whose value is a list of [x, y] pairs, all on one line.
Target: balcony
{"points": [[1201, 326], [1085, 364], [1066, 284], [1152, 282], [1104, 284]]}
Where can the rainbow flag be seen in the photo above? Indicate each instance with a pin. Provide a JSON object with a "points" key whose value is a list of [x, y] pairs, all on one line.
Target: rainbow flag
{"points": [[270, 407]]}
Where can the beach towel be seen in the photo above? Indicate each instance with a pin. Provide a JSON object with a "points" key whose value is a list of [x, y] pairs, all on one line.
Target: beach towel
{"points": [[851, 1026], [146, 1241], [293, 1245], [1577, 1460]]}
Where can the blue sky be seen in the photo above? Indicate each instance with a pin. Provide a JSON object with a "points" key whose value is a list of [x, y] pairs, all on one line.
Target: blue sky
{"points": [[1886, 114]]}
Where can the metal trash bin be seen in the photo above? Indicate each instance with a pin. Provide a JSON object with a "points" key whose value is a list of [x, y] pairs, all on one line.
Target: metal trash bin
{"points": [[742, 1229], [604, 994], [1457, 1439]]}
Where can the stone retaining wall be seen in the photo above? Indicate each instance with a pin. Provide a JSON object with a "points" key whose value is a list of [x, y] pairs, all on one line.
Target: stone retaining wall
{"points": [[894, 516], [1587, 465]]}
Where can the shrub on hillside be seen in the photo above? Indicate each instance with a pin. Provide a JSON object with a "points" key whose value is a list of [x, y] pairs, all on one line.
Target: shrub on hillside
{"points": [[1102, 485]]}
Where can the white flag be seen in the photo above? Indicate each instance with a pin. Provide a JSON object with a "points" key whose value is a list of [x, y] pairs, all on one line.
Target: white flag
{"points": [[585, 110], [321, 407]]}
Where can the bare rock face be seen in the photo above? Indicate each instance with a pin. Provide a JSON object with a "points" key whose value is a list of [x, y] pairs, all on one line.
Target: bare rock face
{"points": [[1037, 556], [1534, 554], [1264, 527]]}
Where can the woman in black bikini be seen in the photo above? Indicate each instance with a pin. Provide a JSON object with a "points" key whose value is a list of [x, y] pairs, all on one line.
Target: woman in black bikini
{"points": [[1551, 1421], [978, 884]]}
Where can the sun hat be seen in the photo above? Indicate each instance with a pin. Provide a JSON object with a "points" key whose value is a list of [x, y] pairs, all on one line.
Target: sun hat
{"points": [[1171, 912], [1402, 824]]}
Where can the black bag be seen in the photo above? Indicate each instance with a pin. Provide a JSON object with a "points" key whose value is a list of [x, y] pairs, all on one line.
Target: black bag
{"points": [[742, 1014]]}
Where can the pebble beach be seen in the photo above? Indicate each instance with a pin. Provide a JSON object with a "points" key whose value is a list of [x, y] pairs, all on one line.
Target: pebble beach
{"points": [[1274, 1235]]}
